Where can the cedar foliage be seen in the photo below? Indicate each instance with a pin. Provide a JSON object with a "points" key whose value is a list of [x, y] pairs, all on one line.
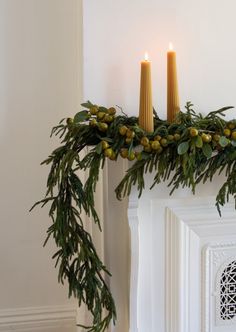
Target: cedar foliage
{"points": [[184, 158]]}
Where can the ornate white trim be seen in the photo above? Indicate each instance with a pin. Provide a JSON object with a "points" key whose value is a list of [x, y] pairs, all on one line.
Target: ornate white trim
{"points": [[134, 231], [177, 267], [218, 256], [173, 232], [186, 226], [219, 320], [34, 318]]}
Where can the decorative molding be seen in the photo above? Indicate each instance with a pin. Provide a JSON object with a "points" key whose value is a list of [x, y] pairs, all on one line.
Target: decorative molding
{"points": [[134, 275], [186, 227], [37, 318], [183, 228], [177, 278], [230, 259], [216, 257]]}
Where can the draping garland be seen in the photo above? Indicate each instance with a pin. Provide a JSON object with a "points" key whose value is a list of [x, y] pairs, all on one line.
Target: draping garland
{"points": [[187, 152]]}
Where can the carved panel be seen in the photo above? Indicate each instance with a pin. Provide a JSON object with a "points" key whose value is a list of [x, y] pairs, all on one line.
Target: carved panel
{"points": [[220, 285]]}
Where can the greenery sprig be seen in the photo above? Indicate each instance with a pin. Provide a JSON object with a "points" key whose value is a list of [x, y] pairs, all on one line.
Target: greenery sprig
{"points": [[187, 152]]}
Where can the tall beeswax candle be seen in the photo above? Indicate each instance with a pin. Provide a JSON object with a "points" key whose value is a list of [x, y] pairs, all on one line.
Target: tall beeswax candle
{"points": [[145, 105], [172, 85]]}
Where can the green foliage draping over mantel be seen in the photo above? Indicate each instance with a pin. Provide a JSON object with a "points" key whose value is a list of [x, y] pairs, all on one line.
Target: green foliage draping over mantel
{"points": [[187, 152]]}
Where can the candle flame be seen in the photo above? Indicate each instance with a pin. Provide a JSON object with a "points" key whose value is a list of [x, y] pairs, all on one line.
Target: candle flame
{"points": [[170, 46], [146, 56]]}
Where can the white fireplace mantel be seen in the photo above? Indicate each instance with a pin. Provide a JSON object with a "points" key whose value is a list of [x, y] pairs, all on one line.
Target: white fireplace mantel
{"points": [[175, 242]]}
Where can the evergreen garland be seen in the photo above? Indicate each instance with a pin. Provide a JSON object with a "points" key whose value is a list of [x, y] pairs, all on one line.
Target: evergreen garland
{"points": [[187, 152]]}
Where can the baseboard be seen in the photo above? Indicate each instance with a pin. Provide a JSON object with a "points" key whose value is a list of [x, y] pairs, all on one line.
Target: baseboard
{"points": [[38, 319]]}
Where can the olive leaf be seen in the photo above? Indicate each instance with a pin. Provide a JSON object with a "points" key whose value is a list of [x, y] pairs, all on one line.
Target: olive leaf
{"points": [[99, 148], [88, 104], [81, 116], [103, 109], [207, 150], [223, 141], [183, 148]]}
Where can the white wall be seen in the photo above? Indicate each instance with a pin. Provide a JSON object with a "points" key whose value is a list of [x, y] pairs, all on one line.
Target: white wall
{"points": [[116, 35], [40, 83]]}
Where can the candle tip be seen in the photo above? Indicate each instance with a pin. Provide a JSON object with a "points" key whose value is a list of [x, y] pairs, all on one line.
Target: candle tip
{"points": [[146, 56], [170, 46]]}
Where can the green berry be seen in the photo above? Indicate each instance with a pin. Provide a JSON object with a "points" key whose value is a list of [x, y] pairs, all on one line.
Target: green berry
{"points": [[216, 137], [170, 137], [69, 121], [130, 133], [102, 126], [93, 110], [157, 138], [155, 145], [105, 145], [233, 135], [206, 138], [123, 130], [100, 115], [108, 152], [164, 142], [131, 156], [124, 153], [227, 132], [128, 140], [108, 118], [231, 125], [144, 141], [148, 148], [176, 137], [113, 156], [93, 122], [139, 156], [111, 111], [193, 132]]}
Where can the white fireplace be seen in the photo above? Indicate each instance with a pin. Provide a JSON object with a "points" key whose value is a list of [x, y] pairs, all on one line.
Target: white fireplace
{"points": [[183, 262]]}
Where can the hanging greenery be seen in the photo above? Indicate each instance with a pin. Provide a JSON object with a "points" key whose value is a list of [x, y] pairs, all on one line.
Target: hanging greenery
{"points": [[187, 152]]}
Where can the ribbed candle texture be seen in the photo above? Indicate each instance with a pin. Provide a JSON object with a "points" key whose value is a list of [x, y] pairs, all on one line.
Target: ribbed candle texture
{"points": [[145, 105], [172, 87]]}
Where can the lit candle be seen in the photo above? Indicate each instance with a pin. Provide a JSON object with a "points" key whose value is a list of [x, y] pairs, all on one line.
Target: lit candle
{"points": [[145, 105], [172, 85]]}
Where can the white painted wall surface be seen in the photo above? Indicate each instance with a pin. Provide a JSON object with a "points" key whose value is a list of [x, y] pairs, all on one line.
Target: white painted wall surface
{"points": [[40, 83], [116, 35]]}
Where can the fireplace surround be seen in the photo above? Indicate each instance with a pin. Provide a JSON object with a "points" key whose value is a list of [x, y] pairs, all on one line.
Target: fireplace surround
{"points": [[183, 262]]}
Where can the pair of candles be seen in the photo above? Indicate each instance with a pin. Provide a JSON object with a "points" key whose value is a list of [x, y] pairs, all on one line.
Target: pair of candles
{"points": [[146, 107]]}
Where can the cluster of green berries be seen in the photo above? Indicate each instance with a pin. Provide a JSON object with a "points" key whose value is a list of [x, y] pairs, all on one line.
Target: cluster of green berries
{"points": [[128, 133], [206, 138], [100, 118], [124, 152], [108, 151], [155, 145], [229, 132], [158, 143]]}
